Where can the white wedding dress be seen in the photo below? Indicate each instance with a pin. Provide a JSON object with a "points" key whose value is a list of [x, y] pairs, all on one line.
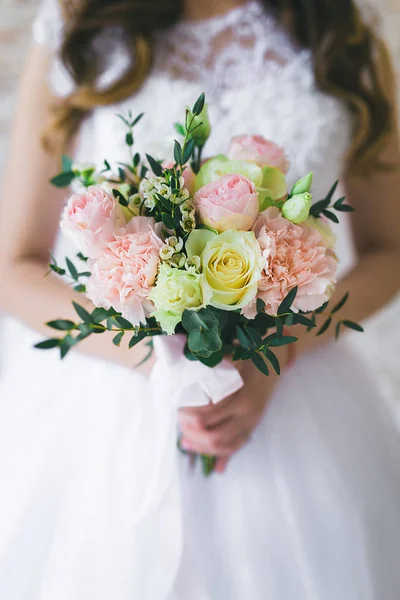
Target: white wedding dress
{"points": [[310, 508]]}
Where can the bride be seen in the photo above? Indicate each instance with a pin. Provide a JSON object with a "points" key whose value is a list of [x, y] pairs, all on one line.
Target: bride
{"points": [[308, 506]]}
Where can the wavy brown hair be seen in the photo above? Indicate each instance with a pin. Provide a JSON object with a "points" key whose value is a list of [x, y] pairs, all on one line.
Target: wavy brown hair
{"points": [[349, 61]]}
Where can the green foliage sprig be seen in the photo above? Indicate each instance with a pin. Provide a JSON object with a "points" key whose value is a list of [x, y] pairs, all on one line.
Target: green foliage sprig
{"points": [[325, 208]]}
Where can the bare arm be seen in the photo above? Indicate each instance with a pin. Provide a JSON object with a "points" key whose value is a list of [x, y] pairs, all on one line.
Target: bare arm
{"points": [[29, 217]]}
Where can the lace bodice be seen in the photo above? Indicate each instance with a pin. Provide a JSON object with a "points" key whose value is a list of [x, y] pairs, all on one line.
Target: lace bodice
{"points": [[255, 79]]}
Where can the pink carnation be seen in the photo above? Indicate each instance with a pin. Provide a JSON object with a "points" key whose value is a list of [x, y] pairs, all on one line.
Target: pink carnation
{"points": [[295, 255], [90, 219], [255, 148], [231, 202], [124, 274]]}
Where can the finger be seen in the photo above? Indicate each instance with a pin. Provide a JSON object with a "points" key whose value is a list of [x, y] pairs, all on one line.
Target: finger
{"points": [[209, 416], [221, 464], [221, 441]]}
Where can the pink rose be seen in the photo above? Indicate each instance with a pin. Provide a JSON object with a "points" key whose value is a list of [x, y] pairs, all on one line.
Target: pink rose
{"points": [[256, 149], [295, 255], [123, 276], [231, 202], [90, 219]]}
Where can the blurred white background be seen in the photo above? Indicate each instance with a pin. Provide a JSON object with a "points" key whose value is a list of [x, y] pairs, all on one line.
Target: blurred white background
{"points": [[381, 342]]}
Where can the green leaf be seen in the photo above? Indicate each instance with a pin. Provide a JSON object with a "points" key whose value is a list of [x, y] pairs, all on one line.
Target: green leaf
{"points": [[340, 304], [289, 320], [129, 139], [120, 197], [354, 326], [61, 325], [325, 326], [168, 220], [261, 365], [82, 313], [66, 344], [345, 208], [337, 330], [279, 326], [254, 335], [66, 163], [80, 288], [180, 129], [208, 463], [288, 301], [302, 320], [121, 174], [240, 353], [330, 215], [135, 339], [123, 322], [178, 153], [319, 207], [118, 338], [72, 269], [204, 318], [136, 160], [63, 180], [48, 344], [245, 341], [322, 308], [332, 191], [155, 166], [215, 359], [276, 341], [101, 314], [187, 153], [260, 306], [339, 203], [84, 274], [82, 257], [205, 341], [138, 118], [199, 105], [273, 360]]}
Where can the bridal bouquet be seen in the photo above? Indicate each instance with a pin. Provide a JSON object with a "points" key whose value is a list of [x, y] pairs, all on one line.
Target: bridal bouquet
{"points": [[221, 251]]}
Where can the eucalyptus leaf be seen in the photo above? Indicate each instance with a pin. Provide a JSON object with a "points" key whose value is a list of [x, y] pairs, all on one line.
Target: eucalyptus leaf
{"points": [[261, 365], [82, 313], [325, 326], [48, 344], [354, 326]]}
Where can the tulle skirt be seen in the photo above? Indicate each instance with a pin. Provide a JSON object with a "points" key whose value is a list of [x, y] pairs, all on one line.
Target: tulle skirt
{"points": [[308, 510]]}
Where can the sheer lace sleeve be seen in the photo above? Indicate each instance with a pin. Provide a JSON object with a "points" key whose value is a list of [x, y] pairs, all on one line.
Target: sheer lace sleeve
{"points": [[48, 25]]}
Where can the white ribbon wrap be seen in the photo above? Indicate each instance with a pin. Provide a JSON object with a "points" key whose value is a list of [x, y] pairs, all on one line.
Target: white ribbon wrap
{"points": [[174, 383]]}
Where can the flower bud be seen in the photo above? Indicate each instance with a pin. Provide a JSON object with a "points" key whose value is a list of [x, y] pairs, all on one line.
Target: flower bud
{"points": [[303, 185], [200, 126], [297, 208]]}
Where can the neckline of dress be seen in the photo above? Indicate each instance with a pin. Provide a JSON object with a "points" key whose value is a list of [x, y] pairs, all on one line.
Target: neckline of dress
{"points": [[251, 7]]}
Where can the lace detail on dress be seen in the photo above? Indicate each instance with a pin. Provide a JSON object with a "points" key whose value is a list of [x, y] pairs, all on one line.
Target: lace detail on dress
{"points": [[216, 53]]}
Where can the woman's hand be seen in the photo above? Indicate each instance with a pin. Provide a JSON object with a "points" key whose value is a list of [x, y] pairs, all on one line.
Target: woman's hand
{"points": [[222, 429]]}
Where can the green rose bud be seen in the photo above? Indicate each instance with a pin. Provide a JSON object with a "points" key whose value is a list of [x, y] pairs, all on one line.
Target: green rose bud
{"points": [[200, 127], [303, 185], [297, 208], [273, 188], [220, 165], [175, 292]]}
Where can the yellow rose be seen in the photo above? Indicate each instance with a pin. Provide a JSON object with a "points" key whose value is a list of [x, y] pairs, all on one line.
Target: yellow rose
{"points": [[232, 264]]}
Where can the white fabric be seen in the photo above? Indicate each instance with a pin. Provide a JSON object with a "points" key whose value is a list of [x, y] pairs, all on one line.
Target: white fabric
{"points": [[310, 508]]}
